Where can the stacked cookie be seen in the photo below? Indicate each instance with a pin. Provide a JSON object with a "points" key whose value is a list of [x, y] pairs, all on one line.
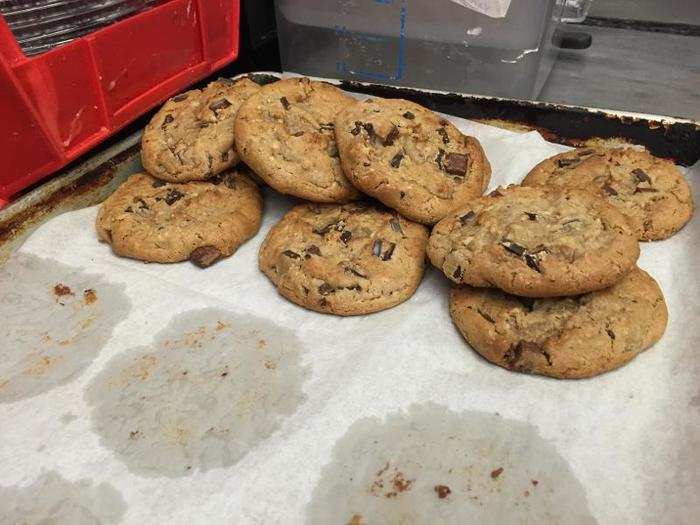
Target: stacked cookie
{"points": [[550, 284], [191, 203]]}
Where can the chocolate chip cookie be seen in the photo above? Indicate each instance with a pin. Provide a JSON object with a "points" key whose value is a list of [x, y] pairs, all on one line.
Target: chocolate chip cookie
{"points": [[191, 137], [568, 337], [410, 158], [156, 221], [649, 191], [534, 242], [285, 134], [344, 259]]}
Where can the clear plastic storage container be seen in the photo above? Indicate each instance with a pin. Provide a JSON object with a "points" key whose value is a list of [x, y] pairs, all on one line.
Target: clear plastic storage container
{"points": [[496, 47]]}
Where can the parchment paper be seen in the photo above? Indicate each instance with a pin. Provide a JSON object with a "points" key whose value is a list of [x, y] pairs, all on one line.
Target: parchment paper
{"points": [[208, 398]]}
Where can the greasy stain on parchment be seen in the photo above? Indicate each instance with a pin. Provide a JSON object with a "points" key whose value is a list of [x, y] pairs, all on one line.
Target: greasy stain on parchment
{"points": [[52, 499], [434, 466], [55, 320], [211, 387]]}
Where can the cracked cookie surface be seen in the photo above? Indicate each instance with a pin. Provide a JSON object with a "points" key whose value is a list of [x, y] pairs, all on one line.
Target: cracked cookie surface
{"points": [[534, 242], [649, 191], [157, 221], [347, 260], [191, 137], [410, 158], [285, 134], [568, 337]]}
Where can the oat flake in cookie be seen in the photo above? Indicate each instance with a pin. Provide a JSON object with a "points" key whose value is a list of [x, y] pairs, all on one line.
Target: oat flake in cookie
{"points": [[155, 221], [567, 337], [410, 158], [191, 137], [285, 134], [346, 260], [536, 243], [649, 191]]}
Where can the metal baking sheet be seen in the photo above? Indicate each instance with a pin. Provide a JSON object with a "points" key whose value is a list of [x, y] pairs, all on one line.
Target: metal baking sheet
{"points": [[391, 386]]}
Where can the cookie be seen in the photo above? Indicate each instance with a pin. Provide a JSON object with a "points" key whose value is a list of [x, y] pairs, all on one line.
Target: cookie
{"points": [[155, 221], [649, 191], [568, 337], [285, 134], [409, 158], [191, 137], [536, 243], [344, 259]]}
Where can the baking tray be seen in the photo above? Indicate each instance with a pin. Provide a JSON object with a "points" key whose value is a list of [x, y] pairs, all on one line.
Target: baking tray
{"points": [[90, 181]]}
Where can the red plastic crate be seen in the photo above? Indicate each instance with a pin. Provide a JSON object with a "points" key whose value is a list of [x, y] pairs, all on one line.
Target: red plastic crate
{"points": [[57, 105]]}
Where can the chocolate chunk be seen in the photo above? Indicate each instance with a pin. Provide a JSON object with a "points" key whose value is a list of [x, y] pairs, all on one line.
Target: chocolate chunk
{"points": [[641, 175], [391, 136], [205, 256], [396, 160], [566, 162], [369, 128], [219, 105], [531, 216], [158, 183], [440, 156], [533, 262], [442, 491], [610, 333], [354, 287], [496, 193], [409, 116], [515, 353], [443, 133], [395, 225], [142, 203], [645, 190], [464, 219], [527, 302], [173, 196], [389, 252], [458, 273], [455, 164], [377, 248], [402, 194], [609, 190], [291, 254], [313, 249], [297, 134], [325, 289], [356, 272], [167, 120], [357, 128], [180, 98], [346, 236], [129, 209], [285, 103], [513, 247]]}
